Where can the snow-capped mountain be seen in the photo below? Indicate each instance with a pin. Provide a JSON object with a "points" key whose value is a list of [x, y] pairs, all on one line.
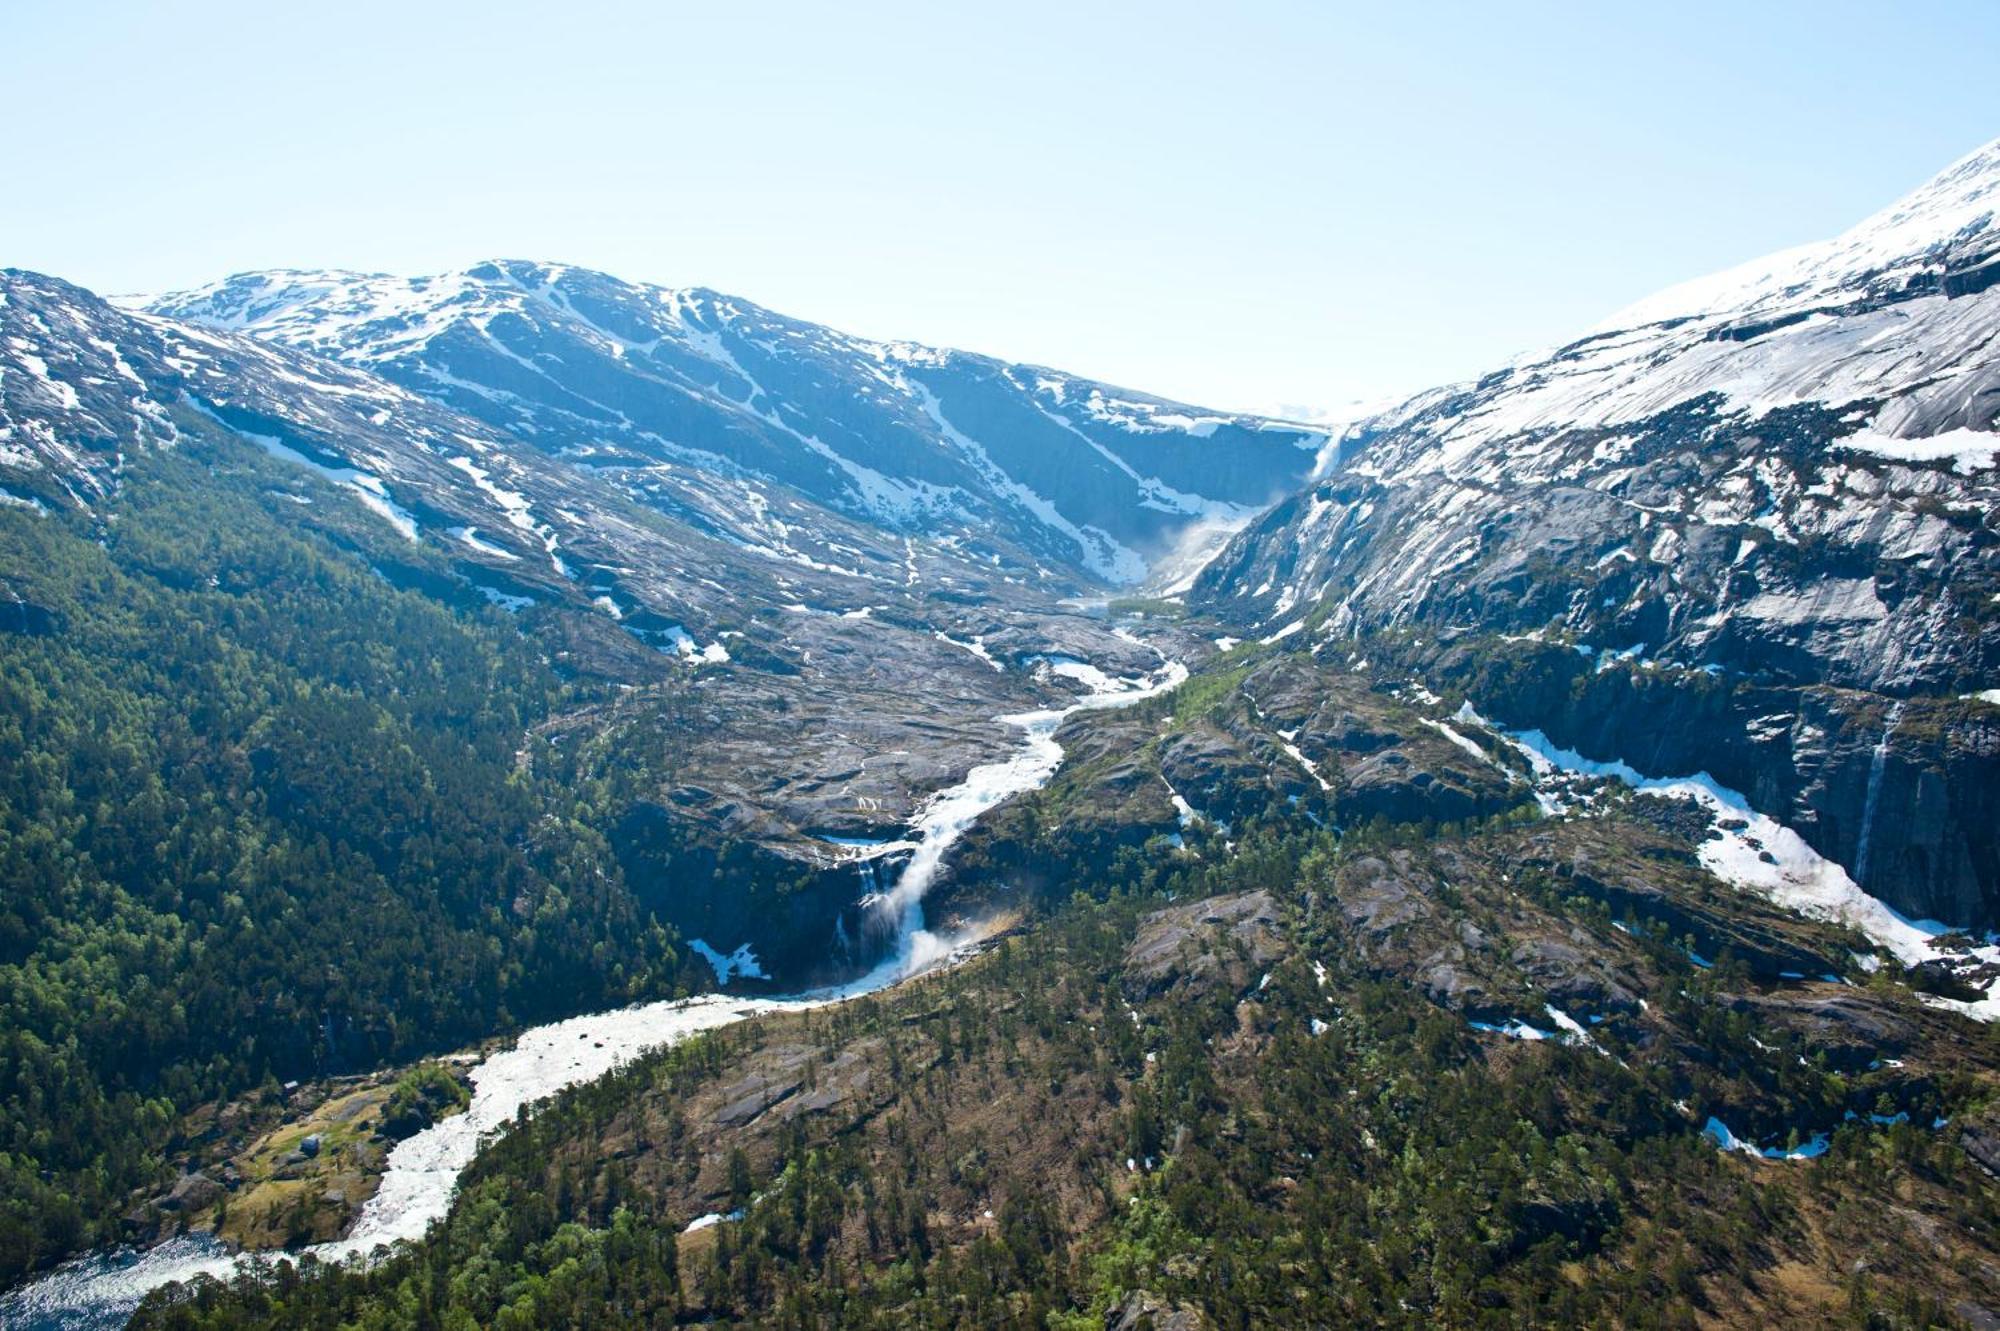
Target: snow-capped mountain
{"points": [[829, 673], [1779, 478], [1695, 462], [654, 383], [84, 386]]}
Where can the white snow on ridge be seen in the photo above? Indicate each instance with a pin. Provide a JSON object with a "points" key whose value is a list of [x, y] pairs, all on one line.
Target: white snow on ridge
{"points": [[64, 393], [1801, 327], [1956, 204], [977, 646], [1513, 1029], [1103, 556], [1470, 746], [1972, 450], [471, 537], [668, 336], [362, 485], [1308, 765]]}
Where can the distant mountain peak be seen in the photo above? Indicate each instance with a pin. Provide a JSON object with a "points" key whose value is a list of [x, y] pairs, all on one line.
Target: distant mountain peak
{"points": [[633, 376], [1944, 225]]}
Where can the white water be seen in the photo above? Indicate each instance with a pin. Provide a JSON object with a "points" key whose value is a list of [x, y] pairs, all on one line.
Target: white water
{"points": [[947, 815], [1876, 762], [102, 1289]]}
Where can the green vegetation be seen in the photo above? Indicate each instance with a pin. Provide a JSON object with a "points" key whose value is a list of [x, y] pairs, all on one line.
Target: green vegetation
{"points": [[1256, 1122], [420, 1097], [264, 816], [1204, 693], [1151, 607], [259, 819]]}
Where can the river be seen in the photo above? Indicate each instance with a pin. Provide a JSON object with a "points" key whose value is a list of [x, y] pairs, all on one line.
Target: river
{"points": [[100, 1290]]}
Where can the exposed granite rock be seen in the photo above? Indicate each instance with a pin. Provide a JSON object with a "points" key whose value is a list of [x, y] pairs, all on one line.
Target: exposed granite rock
{"points": [[1928, 839], [1223, 942], [1142, 1311], [1379, 895], [1853, 1029], [1979, 1136], [191, 1192], [1732, 495]]}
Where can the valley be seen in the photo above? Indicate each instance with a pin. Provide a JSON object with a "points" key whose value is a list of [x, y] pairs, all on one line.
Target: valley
{"points": [[411, 1188], [702, 817]]}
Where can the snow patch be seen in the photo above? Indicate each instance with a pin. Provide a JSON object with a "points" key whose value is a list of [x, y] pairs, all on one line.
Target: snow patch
{"points": [[740, 962]]}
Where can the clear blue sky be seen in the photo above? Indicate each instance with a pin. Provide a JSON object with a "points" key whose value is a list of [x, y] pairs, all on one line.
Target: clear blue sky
{"points": [[1240, 204]]}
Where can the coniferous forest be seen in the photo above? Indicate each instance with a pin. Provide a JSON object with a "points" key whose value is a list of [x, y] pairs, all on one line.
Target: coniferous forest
{"points": [[260, 821]]}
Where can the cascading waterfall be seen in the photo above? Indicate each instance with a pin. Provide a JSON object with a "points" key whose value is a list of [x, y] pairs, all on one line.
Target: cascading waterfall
{"points": [[100, 1290], [1876, 762], [947, 815]]}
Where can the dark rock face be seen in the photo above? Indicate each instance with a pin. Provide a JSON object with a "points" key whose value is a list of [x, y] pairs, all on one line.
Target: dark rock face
{"points": [[1783, 482], [26, 618], [1904, 794], [1377, 758], [1220, 776], [802, 918], [1649, 893], [1979, 1135], [191, 1192], [1854, 1030], [1391, 785], [1573, 976]]}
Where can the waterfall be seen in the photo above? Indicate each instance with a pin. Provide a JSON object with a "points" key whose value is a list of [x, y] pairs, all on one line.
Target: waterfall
{"points": [[948, 814], [1876, 762], [98, 1291]]}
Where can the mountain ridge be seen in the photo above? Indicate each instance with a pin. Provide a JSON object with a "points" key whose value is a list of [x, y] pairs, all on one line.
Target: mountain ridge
{"points": [[1102, 479], [1786, 498]]}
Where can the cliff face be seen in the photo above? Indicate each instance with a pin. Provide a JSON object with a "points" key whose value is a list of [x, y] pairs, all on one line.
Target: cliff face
{"points": [[1775, 487], [1903, 793]]}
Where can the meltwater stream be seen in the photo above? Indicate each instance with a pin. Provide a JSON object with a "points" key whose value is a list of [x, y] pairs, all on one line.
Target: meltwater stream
{"points": [[102, 1289]]}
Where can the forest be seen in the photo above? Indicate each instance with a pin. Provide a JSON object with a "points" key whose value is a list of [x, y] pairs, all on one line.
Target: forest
{"points": [[1189, 1090], [260, 820]]}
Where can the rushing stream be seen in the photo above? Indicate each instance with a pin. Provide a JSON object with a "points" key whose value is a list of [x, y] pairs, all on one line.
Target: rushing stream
{"points": [[101, 1290]]}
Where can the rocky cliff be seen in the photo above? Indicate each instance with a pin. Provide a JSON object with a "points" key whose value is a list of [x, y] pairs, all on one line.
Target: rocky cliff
{"points": [[1772, 493]]}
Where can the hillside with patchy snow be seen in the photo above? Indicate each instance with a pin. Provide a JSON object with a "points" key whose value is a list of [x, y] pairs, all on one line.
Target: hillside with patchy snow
{"points": [[654, 384], [1780, 480]]}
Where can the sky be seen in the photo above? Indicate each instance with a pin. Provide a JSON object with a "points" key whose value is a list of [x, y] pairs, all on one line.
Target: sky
{"points": [[1261, 206]]}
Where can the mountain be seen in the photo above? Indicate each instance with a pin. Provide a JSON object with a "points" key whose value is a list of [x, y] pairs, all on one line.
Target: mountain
{"points": [[342, 726], [1747, 526], [841, 670], [1445, 915], [650, 384]]}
